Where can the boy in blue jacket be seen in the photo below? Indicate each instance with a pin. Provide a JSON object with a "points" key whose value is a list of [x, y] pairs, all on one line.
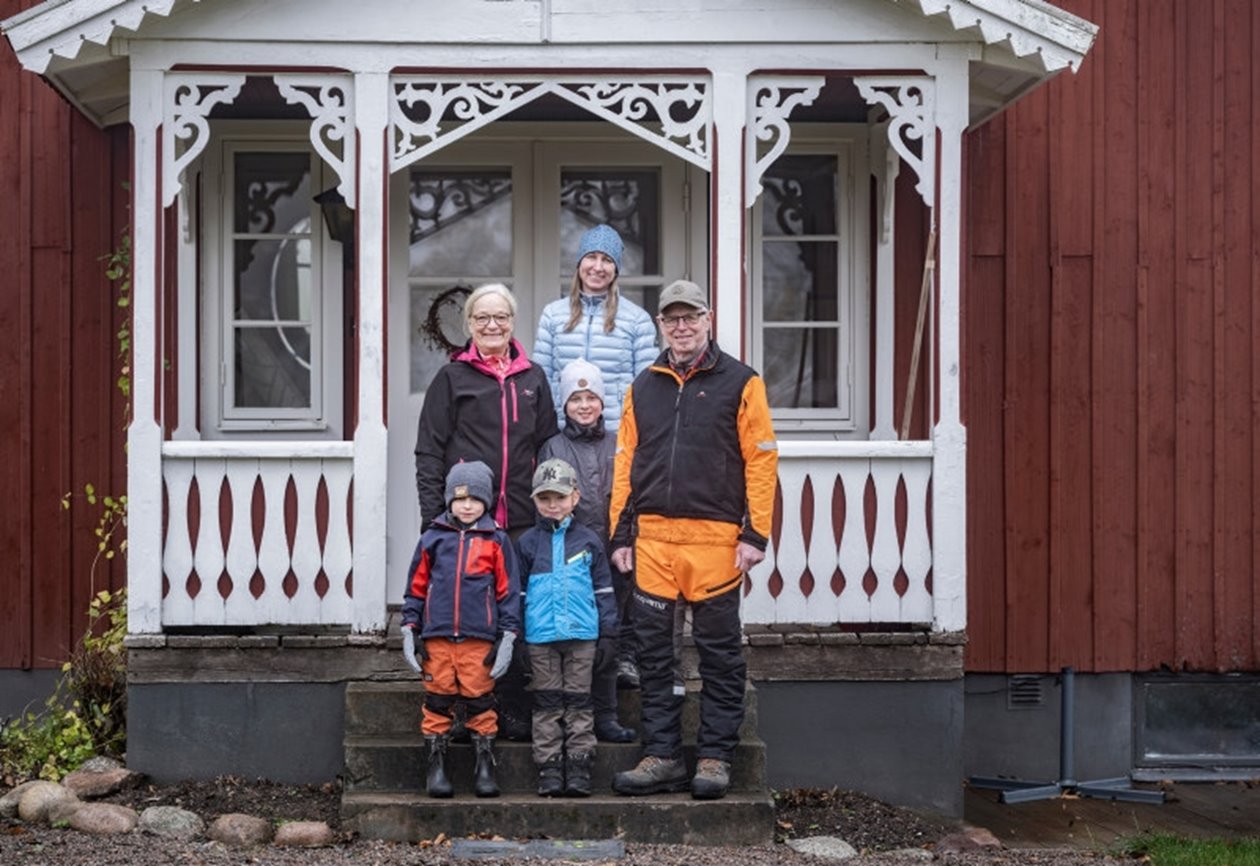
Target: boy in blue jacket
{"points": [[570, 622], [463, 603]]}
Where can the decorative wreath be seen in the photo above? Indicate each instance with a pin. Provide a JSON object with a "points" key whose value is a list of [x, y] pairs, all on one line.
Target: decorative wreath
{"points": [[432, 327]]}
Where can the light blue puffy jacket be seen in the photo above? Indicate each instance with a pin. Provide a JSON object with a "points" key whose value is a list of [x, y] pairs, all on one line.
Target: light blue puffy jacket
{"points": [[620, 355]]}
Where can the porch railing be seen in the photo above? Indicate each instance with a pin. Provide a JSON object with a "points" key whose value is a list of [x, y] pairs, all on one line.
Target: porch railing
{"points": [[851, 540], [257, 533]]}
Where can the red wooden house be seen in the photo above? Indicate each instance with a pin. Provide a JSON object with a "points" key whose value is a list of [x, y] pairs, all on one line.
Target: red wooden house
{"points": [[1072, 487]]}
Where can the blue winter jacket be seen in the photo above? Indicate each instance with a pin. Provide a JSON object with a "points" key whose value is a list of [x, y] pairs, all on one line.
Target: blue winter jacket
{"points": [[620, 355], [463, 582], [567, 589]]}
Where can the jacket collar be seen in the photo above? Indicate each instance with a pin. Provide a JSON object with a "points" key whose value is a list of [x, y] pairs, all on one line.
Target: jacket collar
{"points": [[517, 359], [579, 433]]}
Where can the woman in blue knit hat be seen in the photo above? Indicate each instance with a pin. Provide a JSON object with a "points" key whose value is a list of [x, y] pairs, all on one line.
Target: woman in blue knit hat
{"points": [[595, 323]]}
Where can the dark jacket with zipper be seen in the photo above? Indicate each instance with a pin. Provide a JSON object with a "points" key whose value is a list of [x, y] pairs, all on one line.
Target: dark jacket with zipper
{"points": [[699, 444], [590, 451], [464, 582], [472, 411]]}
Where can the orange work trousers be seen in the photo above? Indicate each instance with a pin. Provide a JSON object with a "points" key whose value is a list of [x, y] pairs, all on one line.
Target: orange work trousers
{"points": [[684, 556], [456, 672]]}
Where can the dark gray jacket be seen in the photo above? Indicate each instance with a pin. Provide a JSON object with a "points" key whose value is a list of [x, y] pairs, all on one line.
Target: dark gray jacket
{"points": [[590, 451]]}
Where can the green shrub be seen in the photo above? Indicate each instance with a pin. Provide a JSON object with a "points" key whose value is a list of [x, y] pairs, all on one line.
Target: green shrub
{"points": [[86, 714]]}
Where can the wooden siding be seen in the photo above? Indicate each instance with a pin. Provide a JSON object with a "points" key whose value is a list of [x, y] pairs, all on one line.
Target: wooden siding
{"points": [[1110, 352], [61, 425]]}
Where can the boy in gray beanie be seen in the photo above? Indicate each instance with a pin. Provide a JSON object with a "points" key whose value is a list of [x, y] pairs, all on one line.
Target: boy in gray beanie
{"points": [[465, 640]]}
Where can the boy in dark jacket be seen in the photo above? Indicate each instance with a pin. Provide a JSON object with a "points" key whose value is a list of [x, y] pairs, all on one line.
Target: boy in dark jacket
{"points": [[463, 602], [570, 622]]}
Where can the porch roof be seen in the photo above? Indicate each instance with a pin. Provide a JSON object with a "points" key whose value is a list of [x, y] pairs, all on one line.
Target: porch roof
{"points": [[81, 46]]}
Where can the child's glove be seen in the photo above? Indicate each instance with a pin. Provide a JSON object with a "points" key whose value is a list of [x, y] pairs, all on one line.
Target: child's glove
{"points": [[500, 655], [410, 650]]}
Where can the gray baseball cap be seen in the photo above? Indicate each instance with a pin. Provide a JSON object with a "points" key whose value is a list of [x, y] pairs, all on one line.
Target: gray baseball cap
{"points": [[555, 476], [683, 292]]}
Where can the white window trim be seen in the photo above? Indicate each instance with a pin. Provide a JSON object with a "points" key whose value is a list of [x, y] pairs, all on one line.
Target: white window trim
{"points": [[323, 419], [851, 419]]}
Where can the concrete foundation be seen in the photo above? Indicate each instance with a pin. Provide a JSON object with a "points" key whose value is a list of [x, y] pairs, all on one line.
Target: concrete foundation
{"points": [[286, 732], [900, 742], [25, 690]]}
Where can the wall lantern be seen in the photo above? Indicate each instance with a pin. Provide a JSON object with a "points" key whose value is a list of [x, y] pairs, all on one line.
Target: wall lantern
{"points": [[339, 218]]}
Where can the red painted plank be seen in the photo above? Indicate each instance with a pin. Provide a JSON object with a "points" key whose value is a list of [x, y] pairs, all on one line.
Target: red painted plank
{"points": [[1156, 373], [15, 581], [1232, 266], [983, 385], [1194, 313], [1114, 351], [1254, 149], [1027, 382]]}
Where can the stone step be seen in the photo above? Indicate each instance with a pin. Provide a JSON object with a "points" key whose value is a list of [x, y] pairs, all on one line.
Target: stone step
{"points": [[399, 763], [385, 708], [738, 819]]}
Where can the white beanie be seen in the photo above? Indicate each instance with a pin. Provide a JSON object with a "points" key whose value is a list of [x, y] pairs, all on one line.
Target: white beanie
{"points": [[580, 375]]}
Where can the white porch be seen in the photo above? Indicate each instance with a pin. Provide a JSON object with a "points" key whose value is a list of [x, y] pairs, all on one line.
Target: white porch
{"points": [[293, 531]]}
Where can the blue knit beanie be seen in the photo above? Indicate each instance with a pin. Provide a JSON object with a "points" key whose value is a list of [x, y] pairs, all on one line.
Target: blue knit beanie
{"points": [[601, 239], [474, 479]]}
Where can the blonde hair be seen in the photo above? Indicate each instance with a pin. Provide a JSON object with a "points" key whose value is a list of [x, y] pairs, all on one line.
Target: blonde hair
{"points": [[575, 305], [480, 292]]}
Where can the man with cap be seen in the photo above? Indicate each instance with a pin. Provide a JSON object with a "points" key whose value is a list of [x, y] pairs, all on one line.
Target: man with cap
{"points": [[693, 494], [462, 602], [570, 619]]}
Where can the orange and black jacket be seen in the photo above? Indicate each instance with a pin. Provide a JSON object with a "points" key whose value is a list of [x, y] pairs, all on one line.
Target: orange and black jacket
{"points": [[699, 445]]}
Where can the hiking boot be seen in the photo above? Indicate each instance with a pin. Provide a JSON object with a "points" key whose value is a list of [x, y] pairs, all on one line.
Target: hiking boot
{"points": [[437, 784], [653, 775], [712, 779], [484, 784], [609, 730], [577, 775], [627, 674], [551, 777]]}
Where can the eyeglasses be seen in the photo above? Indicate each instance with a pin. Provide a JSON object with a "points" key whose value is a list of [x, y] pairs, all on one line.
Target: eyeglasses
{"points": [[672, 322], [500, 319]]}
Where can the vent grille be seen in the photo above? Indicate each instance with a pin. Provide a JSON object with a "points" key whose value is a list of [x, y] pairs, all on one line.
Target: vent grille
{"points": [[1024, 692]]}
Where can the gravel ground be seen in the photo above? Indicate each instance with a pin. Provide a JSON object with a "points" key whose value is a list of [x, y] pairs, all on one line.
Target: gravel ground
{"points": [[867, 824]]}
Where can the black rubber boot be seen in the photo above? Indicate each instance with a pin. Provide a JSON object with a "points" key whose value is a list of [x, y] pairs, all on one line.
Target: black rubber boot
{"points": [[551, 777], [485, 784], [577, 775], [438, 784]]}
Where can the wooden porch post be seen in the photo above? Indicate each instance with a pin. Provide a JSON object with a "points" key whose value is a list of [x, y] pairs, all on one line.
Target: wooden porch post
{"points": [[371, 448], [949, 473], [727, 211], [144, 435]]}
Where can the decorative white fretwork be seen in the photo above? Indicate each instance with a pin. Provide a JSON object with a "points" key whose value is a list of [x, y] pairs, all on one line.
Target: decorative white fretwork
{"points": [[188, 99], [911, 105], [771, 101], [682, 108], [419, 106], [329, 99], [674, 113]]}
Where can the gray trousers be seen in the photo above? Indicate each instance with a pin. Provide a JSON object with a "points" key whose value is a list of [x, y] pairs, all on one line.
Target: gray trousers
{"points": [[564, 713]]}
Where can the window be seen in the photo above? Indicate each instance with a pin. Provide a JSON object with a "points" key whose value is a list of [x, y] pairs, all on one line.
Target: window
{"points": [[808, 316], [273, 300]]}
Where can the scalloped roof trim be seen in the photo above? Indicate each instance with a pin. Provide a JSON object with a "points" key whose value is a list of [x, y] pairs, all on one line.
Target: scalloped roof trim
{"points": [[1028, 28]]}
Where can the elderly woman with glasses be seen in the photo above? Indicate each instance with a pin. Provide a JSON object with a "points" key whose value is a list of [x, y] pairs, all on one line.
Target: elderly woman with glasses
{"points": [[490, 403]]}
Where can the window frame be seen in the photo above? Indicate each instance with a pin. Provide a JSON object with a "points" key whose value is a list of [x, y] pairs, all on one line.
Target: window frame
{"points": [[221, 418], [850, 418]]}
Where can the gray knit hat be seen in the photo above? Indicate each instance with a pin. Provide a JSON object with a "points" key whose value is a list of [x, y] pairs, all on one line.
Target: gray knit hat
{"points": [[601, 239], [580, 375], [470, 479]]}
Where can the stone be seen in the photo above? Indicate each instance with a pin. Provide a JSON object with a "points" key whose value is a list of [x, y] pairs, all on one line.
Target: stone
{"points": [[970, 839], [39, 798], [104, 819], [9, 802], [240, 831], [172, 822], [824, 847], [304, 834], [62, 810], [100, 777]]}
